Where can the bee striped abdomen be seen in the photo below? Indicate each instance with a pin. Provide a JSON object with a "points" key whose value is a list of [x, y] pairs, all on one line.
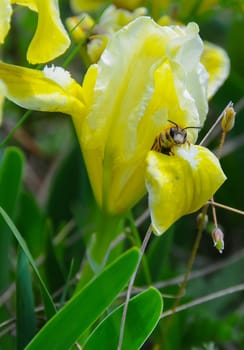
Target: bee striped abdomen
{"points": [[165, 141]]}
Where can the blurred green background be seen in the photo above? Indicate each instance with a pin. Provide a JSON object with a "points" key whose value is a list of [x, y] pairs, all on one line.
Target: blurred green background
{"points": [[45, 189]]}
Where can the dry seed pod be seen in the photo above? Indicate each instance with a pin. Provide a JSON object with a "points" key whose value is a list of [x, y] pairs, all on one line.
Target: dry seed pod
{"points": [[228, 120]]}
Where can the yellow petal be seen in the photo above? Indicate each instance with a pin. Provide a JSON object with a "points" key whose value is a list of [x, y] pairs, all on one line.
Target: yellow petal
{"points": [[5, 17], [217, 64], [129, 101], [50, 90], [180, 184], [51, 39]]}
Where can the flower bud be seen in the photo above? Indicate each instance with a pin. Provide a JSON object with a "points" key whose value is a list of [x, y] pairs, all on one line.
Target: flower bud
{"points": [[228, 120], [218, 239], [202, 220]]}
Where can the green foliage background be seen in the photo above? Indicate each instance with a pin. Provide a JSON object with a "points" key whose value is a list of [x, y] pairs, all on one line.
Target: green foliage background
{"points": [[45, 190]]}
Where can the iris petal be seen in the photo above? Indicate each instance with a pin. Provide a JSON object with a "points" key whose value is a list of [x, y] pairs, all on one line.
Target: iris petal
{"points": [[217, 64], [6, 12], [180, 184], [50, 39], [44, 91]]}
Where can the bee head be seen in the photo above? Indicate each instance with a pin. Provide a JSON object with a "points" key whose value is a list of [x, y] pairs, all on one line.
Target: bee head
{"points": [[178, 134]]}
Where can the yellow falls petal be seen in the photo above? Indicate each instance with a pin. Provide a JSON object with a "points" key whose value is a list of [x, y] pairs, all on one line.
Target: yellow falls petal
{"points": [[50, 90], [217, 64], [51, 39], [5, 17], [180, 184]]}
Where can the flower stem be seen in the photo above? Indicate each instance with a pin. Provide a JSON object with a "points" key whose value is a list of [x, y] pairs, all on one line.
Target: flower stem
{"points": [[189, 266], [130, 286]]}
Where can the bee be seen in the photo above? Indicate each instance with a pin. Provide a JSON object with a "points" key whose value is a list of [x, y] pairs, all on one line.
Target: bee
{"points": [[173, 136]]}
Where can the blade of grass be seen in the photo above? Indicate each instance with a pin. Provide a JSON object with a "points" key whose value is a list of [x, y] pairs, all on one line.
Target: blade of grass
{"points": [[50, 309], [10, 183], [26, 320]]}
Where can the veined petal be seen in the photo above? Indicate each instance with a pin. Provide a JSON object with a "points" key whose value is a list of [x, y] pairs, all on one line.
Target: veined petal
{"points": [[5, 17], [217, 64], [180, 184], [50, 90], [51, 39]]}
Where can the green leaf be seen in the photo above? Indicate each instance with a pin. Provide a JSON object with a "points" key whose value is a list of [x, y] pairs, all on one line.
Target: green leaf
{"points": [[10, 182], [143, 314], [26, 320], [31, 222], [86, 306], [62, 198], [52, 265], [47, 299]]}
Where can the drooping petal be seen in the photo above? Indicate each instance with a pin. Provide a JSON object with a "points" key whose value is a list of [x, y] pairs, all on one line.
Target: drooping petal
{"points": [[5, 17], [180, 184], [50, 90], [217, 64], [50, 39]]}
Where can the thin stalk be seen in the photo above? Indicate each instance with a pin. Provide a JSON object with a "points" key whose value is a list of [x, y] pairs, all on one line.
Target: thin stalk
{"points": [[220, 294], [215, 124], [12, 132], [189, 266], [130, 286], [226, 207]]}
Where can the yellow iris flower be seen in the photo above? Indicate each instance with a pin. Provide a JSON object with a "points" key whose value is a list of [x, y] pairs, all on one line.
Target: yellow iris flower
{"points": [[148, 78], [50, 39]]}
